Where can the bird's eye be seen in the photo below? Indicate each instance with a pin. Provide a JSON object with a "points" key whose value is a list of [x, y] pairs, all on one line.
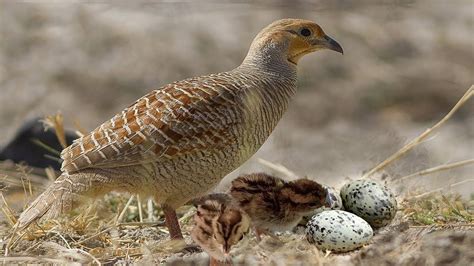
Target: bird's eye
{"points": [[242, 236], [305, 32]]}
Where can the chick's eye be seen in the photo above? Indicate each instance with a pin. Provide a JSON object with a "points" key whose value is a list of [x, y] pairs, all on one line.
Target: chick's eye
{"points": [[305, 32], [242, 236]]}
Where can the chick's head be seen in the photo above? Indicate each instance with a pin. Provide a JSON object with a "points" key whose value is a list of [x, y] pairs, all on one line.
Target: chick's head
{"points": [[230, 227], [303, 196]]}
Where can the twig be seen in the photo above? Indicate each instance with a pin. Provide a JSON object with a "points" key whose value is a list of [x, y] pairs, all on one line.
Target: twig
{"points": [[140, 213], [50, 173], [442, 225], [94, 235], [46, 147], [22, 259], [33, 247], [328, 252], [23, 177], [278, 167], [30, 188], [13, 176], [57, 122], [438, 168], [149, 206], [53, 158], [440, 189], [120, 217], [7, 211], [142, 224], [421, 137], [87, 254], [13, 241], [64, 239]]}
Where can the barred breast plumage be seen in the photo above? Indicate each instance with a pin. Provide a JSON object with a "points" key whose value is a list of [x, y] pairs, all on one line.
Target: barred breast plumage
{"points": [[179, 141]]}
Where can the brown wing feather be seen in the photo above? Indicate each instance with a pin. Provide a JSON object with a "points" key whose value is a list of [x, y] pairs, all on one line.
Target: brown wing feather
{"points": [[179, 118]]}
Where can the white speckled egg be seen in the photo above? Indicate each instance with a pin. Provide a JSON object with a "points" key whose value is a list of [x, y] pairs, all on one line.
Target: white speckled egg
{"points": [[370, 200], [338, 231]]}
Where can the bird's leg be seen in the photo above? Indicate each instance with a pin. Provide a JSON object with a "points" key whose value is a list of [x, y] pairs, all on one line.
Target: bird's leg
{"points": [[172, 223]]}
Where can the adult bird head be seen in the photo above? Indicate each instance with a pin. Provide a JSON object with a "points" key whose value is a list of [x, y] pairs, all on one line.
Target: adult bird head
{"points": [[291, 39]]}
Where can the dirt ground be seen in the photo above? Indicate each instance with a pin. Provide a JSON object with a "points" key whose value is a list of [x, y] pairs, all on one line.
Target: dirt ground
{"points": [[406, 63]]}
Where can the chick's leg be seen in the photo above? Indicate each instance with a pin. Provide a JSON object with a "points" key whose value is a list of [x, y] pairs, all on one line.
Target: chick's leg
{"points": [[172, 223]]}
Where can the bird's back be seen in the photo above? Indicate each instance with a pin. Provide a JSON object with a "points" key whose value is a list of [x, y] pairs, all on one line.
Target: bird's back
{"points": [[186, 117]]}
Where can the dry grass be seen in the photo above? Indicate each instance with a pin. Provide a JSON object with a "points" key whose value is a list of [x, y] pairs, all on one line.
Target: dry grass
{"points": [[438, 209], [422, 137], [93, 235], [57, 123], [438, 168]]}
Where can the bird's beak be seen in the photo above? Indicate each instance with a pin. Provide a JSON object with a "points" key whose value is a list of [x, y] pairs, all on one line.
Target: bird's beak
{"points": [[327, 42]]}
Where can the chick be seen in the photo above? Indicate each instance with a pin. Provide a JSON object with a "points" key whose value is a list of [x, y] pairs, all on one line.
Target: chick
{"points": [[276, 205], [219, 224]]}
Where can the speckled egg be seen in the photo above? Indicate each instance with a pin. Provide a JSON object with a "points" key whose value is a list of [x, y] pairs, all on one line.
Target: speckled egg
{"points": [[370, 200], [338, 231]]}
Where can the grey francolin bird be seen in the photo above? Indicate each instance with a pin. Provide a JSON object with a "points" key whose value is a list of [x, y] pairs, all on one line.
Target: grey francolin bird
{"points": [[219, 224], [177, 142], [275, 205]]}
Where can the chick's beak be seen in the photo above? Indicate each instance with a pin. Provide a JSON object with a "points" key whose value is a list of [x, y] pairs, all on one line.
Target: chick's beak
{"points": [[226, 249], [329, 43], [330, 199]]}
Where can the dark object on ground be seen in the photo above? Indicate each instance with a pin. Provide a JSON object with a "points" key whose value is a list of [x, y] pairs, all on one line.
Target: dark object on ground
{"points": [[25, 146]]}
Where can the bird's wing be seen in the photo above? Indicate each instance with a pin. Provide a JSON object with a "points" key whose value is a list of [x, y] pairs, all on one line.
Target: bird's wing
{"points": [[180, 118]]}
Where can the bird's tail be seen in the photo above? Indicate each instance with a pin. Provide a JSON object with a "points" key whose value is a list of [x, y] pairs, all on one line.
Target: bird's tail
{"points": [[58, 198]]}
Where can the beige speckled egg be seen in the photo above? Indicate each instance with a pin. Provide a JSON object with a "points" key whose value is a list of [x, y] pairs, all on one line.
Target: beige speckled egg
{"points": [[370, 200], [338, 231]]}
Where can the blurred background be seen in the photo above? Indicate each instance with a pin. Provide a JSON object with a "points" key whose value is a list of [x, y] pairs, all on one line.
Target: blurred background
{"points": [[406, 63]]}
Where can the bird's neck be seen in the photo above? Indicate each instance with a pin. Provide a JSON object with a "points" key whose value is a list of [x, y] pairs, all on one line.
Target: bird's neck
{"points": [[270, 59], [267, 63], [270, 84]]}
